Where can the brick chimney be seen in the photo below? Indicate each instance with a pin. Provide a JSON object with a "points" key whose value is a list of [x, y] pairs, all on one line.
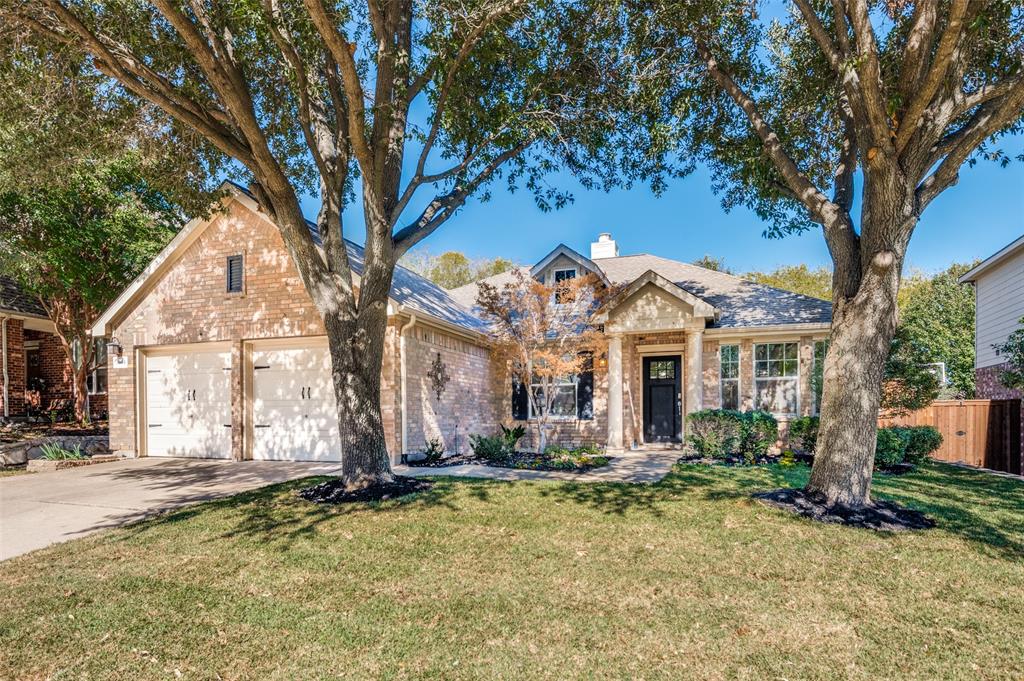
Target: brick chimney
{"points": [[604, 247]]}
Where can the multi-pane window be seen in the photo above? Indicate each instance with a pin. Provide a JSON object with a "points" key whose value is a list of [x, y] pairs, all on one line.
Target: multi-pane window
{"points": [[234, 273], [563, 402], [96, 379], [729, 376], [818, 377], [562, 276], [662, 368], [776, 377]]}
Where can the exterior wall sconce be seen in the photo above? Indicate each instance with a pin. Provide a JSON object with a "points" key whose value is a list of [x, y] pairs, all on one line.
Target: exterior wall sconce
{"points": [[115, 348]]}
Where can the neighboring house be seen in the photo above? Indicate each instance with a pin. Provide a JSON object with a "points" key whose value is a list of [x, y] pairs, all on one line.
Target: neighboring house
{"points": [[223, 353], [999, 306], [36, 376]]}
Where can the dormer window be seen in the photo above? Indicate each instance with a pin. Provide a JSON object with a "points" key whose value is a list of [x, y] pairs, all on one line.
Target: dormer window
{"points": [[562, 276], [234, 273]]}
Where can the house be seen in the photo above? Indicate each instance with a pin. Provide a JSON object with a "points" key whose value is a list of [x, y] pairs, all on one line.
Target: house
{"points": [[36, 376], [219, 351], [999, 307]]}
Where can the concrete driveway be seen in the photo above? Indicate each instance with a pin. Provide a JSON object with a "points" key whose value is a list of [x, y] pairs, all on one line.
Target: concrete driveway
{"points": [[40, 509]]}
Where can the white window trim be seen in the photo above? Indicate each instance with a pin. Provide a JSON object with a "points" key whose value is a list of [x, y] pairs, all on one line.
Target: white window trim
{"points": [[721, 381], [753, 366], [530, 416], [92, 374], [554, 273]]}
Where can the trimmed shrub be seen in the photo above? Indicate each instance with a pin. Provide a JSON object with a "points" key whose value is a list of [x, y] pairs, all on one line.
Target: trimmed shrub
{"points": [[490, 447], [715, 433], [434, 450], [589, 449], [921, 442], [758, 432], [891, 447], [512, 435], [803, 433]]}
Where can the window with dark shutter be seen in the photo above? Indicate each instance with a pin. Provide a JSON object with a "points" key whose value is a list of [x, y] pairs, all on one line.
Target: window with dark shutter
{"points": [[585, 389], [234, 274], [520, 401]]}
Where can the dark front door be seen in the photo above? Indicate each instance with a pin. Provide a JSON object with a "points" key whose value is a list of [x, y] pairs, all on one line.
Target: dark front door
{"points": [[662, 408]]}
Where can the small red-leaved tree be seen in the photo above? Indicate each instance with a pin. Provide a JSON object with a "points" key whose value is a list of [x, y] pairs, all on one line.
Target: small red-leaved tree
{"points": [[545, 336]]}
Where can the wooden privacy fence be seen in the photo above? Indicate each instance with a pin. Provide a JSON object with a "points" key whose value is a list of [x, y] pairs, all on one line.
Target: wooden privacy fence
{"points": [[985, 433]]}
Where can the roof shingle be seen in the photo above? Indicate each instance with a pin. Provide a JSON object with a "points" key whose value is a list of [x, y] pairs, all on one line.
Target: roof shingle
{"points": [[14, 299], [742, 303]]}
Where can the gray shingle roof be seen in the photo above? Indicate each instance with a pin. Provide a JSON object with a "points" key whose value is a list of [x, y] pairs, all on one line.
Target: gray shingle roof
{"points": [[14, 299], [742, 303]]}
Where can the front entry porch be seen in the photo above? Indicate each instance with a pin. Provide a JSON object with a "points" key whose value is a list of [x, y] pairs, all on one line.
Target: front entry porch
{"points": [[654, 380]]}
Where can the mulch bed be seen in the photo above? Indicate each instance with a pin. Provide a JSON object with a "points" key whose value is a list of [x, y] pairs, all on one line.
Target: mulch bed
{"points": [[520, 460], [881, 515], [335, 491], [728, 461], [16, 432]]}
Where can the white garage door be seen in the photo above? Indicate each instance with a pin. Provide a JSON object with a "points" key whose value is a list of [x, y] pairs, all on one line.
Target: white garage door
{"points": [[294, 414], [188, 404]]}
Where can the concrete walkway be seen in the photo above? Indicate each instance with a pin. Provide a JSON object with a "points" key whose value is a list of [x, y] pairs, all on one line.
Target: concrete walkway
{"points": [[634, 467], [40, 509]]}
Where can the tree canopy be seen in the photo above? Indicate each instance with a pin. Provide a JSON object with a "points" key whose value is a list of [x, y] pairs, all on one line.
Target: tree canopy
{"points": [[816, 282], [77, 242], [453, 269]]}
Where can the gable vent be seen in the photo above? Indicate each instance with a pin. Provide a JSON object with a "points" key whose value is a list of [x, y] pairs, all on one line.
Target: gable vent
{"points": [[234, 274]]}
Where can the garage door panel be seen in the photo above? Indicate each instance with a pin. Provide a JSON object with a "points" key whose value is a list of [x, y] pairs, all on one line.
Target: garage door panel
{"points": [[188, 404], [291, 403]]}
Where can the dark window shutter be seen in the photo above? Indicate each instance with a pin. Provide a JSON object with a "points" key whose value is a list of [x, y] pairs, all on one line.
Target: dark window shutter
{"points": [[585, 389], [520, 401], [234, 273]]}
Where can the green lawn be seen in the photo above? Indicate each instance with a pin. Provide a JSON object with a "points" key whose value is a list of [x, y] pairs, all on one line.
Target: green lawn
{"points": [[686, 579]]}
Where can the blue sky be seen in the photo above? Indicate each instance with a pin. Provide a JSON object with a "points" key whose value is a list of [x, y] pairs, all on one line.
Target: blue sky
{"points": [[977, 217]]}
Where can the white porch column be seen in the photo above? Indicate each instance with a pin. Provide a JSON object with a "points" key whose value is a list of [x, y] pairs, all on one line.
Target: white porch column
{"points": [[615, 393], [694, 371]]}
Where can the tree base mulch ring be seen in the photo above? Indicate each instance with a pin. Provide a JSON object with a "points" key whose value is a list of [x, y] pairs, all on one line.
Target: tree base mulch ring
{"points": [[531, 461], [336, 492], [881, 515]]}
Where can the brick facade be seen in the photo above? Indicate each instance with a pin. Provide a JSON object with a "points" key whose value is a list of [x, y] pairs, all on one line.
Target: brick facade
{"points": [[467, 404], [189, 304], [40, 374], [15, 369], [574, 432], [989, 387]]}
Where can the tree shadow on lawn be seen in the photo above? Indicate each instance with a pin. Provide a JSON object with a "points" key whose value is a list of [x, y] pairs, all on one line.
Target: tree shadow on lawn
{"points": [[711, 482], [277, 515], [983, 508]]}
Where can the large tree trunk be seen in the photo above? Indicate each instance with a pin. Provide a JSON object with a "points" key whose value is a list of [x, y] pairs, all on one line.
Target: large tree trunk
{"points": [[863, 326], [357, 356]]}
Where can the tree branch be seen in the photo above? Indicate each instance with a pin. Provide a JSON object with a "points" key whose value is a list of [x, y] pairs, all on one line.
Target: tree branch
{"points": [[919, 45], [442, 208], [842, 194], [935, 76], [820, 35], [816, 203], [342, 51], [117, 62], [990, 118], [870, 75]]}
